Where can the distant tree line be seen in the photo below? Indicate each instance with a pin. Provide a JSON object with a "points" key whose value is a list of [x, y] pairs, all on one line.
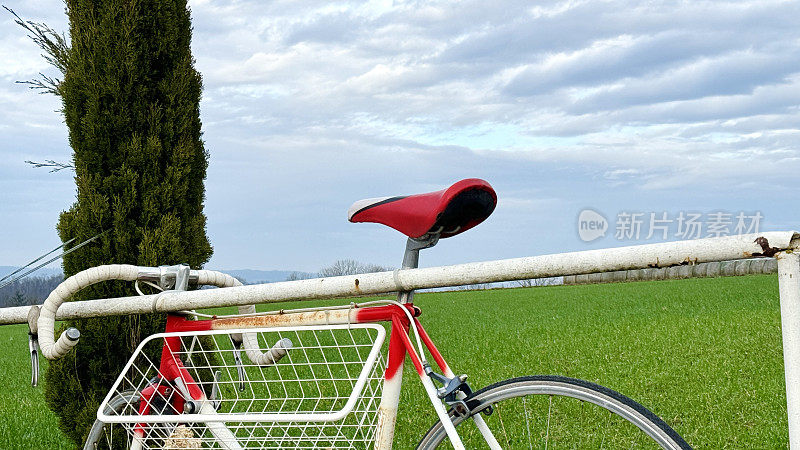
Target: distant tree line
{"points": [[339, 268], [537, 282], [28, 291], [353, 267]]}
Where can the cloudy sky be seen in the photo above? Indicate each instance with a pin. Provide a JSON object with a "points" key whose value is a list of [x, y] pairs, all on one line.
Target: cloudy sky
{"points": [[662, 107]]}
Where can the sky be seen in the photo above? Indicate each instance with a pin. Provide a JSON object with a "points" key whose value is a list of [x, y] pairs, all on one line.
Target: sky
{"points": [[635, 110]]}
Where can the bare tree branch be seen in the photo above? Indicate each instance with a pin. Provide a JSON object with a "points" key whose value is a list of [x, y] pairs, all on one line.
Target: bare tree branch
{"points": [[55, 165], [536, 282], [350, 267], [56, 52]]}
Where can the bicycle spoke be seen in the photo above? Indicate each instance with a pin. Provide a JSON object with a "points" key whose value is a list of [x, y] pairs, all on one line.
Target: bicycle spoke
{"points": [[527, 423], [534, 412], [502, 426], [583, 419], [549, 413]]}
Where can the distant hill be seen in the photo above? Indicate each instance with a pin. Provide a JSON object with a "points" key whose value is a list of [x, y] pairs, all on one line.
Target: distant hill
{"points": [[43, 272], [251, 276]]}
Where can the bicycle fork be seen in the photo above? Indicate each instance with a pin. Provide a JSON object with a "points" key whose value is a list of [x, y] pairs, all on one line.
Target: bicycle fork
{"points": [[454, 389]]}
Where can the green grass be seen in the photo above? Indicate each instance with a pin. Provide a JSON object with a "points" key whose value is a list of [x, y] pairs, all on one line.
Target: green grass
{"points": [[25, 421], [704, 354]]}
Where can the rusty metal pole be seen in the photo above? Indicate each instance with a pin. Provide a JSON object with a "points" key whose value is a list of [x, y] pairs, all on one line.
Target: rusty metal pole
{"points": [[664, 254], [789, 288]]}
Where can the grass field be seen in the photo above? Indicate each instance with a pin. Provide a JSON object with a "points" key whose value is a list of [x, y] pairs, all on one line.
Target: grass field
{"points": [[704, 354]]}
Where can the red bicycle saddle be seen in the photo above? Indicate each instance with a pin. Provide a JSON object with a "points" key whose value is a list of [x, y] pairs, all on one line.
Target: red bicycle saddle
{"points": [[452, 210]]}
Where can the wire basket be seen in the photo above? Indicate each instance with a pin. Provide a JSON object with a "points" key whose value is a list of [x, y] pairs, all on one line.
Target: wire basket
{"points": [[324, 393]]}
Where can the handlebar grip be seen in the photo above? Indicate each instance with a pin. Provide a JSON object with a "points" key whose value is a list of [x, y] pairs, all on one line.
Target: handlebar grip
{"points": [[52, 349], [278, 351], [249, 340], [214, 278]]}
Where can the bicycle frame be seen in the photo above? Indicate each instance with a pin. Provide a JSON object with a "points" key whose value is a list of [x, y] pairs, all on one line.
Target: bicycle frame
{"points": [[400, 345], [186, 397]]}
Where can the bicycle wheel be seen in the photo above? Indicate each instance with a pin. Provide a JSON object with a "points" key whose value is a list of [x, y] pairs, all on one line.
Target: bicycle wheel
{"points": [[108, 435], [553, 412]]}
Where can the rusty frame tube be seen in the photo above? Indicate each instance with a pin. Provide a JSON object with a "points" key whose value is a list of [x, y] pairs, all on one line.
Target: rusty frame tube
{"points": [[327, 317]]}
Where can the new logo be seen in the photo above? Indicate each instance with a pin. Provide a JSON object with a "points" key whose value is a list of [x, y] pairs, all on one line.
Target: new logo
{"points": [[591, 225]]}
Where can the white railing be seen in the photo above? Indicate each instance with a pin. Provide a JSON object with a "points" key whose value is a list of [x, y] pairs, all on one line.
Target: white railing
{"points": [[783, 246]]}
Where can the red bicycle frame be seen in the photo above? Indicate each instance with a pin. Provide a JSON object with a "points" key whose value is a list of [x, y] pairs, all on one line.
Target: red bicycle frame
{"points": [[173, 373]]}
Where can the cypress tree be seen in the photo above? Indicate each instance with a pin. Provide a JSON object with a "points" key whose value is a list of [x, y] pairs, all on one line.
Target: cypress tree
{"points": [[130, 98]]}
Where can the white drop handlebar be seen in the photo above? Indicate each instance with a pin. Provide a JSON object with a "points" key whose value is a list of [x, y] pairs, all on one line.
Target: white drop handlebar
{"points": [[249, 340], [52, 349]]}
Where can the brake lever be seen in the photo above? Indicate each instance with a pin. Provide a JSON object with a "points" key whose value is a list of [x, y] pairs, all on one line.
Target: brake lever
{"points": [[215, 402], [33, 343], [237, 357], [33, 346]]}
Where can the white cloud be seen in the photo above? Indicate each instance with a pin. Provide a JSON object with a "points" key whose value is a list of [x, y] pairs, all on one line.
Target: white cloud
{"points": [[392, 97]]}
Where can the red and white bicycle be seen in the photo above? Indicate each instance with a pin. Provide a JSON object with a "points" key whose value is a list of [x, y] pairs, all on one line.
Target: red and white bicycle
{"points": [[320, 377]]}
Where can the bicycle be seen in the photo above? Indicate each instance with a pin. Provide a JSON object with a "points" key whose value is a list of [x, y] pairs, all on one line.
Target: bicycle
{"points": [[318, 377]]}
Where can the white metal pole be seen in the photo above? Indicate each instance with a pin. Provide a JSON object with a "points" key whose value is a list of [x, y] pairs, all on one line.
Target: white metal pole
{"points": [[590, 261], [789, 287]]}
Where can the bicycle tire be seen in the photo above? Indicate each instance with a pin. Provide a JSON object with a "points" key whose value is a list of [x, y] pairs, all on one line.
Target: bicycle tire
{"points": [[101, 430], [649, 427]]}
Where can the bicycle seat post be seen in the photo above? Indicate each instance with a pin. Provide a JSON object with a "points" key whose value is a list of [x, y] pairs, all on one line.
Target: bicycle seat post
{"points": [[411, 258]]}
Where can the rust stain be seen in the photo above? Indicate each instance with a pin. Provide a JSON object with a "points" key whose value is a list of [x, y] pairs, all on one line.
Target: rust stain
{"points": [[358, 289], [688, 261], [654, 265], [766, 250], [245, 322], [284, 318], [272, 320]]}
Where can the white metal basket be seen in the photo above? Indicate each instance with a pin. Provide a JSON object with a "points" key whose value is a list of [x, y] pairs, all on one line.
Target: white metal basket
{"points": [[324, 393]]}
